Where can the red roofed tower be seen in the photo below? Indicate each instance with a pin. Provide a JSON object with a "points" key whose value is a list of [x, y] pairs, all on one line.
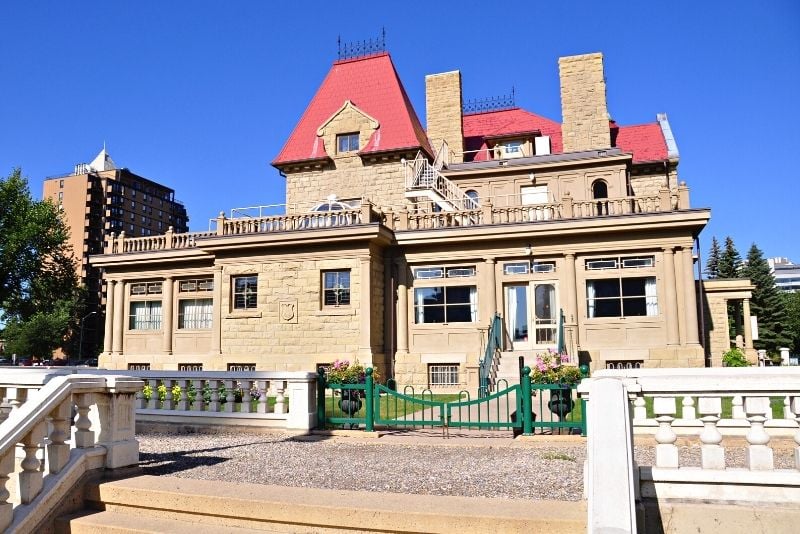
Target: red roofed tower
{"points": [[357, 128]]}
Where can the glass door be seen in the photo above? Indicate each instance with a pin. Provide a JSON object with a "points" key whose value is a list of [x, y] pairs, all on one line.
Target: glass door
{"points": [[532, 315]]}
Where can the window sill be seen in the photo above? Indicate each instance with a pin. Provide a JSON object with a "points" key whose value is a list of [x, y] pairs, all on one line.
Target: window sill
{"points": [[244, 315], [334, 311]]}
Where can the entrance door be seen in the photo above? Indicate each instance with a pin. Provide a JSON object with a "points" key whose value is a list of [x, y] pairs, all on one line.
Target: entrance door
{"points": [[532, 315]]}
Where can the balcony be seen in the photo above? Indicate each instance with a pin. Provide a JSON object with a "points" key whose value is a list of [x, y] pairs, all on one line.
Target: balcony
{"points": [[421, 216]]}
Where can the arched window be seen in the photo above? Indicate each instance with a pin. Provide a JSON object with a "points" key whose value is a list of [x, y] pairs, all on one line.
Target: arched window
{"points": [[600, 191], [473, 195]]}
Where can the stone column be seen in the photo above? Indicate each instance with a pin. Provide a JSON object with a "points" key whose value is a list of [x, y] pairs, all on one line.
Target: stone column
{"points": [[680, 294], [490, 281], [216, 313], [108, 334], [690, 299], [670, 302], [166, 314], [119, 317], [571, 318], [748, 329], [365, 309], [402, 307]]}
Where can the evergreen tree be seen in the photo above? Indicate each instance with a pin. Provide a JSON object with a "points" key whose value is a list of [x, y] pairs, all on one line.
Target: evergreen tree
{"points": [[766, 303], [712, 266], [730, 262], [791, 326]]}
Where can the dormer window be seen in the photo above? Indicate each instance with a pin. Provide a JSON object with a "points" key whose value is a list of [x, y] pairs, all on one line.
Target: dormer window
{"points": [[512, 148], [347, 142]]}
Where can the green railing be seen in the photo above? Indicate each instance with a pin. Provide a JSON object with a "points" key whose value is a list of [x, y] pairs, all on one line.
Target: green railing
{"points": [[524, 406], [493, 344]]}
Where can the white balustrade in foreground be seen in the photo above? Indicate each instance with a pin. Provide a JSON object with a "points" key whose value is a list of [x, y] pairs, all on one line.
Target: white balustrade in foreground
{"points": [[701, 397], [54, 428]]}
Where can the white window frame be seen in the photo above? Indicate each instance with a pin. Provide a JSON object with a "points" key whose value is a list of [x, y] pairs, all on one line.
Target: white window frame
{"points": [[199, 319], [148, 320], [650, 297], [247, 293], [443, 374], [336, 288]]}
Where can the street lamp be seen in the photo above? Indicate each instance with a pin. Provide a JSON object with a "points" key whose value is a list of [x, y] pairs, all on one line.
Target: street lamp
{"points": [[80, 344]]}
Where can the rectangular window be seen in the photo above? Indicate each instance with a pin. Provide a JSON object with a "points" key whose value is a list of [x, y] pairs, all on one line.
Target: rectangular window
{"points": [[145, 315], [622, 297], [60, 196], [519, 267], [446, 304], [429, 273], [544, 267], [198, 284], [443, 375], [347, 142], [190, 367], [634, 262], [241, 367], [61, 184], [336, 288], [146, 288], [624, 364], [195, 314], [138, 367], [245, 292]]}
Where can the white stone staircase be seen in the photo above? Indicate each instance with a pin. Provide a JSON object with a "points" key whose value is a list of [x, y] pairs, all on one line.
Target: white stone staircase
{"points": [[508, 364], [424, 181]]}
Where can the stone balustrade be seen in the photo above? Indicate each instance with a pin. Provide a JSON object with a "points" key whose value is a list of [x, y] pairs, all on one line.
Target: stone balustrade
{"points": [[54, 450], [255, 398], [708, 408]]}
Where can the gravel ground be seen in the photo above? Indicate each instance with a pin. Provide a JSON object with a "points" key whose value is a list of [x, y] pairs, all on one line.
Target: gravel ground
{"points": [[430, 466]]}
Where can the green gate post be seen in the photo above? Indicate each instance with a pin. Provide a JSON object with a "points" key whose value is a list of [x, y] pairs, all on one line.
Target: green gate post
{"points": [[370, 414], [525, 382], [321, 385]]}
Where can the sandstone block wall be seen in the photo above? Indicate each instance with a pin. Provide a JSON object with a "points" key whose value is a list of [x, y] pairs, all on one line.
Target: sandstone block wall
{"points": [[443, 106], [583, 103]]}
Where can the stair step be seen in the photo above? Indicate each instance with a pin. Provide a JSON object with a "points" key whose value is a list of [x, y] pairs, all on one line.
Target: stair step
{"points": [[256, 507], [116, 522]]}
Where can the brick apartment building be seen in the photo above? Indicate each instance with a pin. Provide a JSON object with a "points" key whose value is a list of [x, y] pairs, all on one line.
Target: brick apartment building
{"points": [[98, 198]]}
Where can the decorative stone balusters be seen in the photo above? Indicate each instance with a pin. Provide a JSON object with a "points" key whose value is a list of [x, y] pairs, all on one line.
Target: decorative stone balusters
{"points": [[169, 403], [184, 401], [153, 403], [141, 401], [737, 407], [712, 454], [58, 449], [6, 507], [30, 479], [639, 408], [759, 455], [84, 436], [666, 451], [280, 399], [230, 398], [263, 385], [796, 412], [689, 413], [246, 396], [213, 406], [197, 405]]}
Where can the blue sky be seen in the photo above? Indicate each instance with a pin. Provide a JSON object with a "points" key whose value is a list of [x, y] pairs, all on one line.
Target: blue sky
{"points": [[201, 95]]}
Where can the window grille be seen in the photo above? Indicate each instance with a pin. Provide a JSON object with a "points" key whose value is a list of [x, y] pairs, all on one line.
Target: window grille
{"points": [[245, 292], [190, 367], [336, 288], [443, 374], [241, 367]]}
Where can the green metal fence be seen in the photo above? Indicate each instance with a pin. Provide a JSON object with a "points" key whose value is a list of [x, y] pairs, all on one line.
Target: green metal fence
{"points": [[512, 407]]}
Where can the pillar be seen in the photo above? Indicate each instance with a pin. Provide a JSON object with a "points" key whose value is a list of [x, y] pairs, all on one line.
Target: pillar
{"points": [[119, 317], [748, 326], [680, 294], [690, 299], [365, 309], [571, 314], [402, 307], [216, 313], [490, 282], [108, 334], [166, 315], [670, 301]]}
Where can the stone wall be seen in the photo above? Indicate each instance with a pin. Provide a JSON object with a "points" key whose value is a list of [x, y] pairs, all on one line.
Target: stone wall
{"points": [[443, 106], [647, 181], [583, 103]]}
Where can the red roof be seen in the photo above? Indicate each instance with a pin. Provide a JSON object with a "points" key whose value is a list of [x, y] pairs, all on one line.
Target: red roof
{"points": [[480, 126], [645, 141], [372, 85]]}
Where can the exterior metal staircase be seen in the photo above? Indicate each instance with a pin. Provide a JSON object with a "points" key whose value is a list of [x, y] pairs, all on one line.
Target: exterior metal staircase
{"points": [[424, 180]]}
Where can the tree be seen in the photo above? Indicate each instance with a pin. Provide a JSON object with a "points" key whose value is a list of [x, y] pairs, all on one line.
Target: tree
{"points": [[791, 325], [712, 266], [39, 294], [766, 302], [730, 262]]}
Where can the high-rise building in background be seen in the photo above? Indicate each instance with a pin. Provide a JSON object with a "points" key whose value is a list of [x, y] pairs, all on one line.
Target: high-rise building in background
{"points": [[99, 198], [786, 273]]}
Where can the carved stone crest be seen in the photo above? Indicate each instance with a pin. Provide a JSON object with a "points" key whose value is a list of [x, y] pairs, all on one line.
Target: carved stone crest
{"points": [[287, 311]]}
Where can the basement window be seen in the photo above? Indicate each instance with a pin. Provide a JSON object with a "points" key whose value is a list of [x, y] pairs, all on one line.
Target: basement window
{"points": [[347, 142]]}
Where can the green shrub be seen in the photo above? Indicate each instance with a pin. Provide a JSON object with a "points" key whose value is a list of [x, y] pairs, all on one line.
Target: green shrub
{"points": [[735, 358]]}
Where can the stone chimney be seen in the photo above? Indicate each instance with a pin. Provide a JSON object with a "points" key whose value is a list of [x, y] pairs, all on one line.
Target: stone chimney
{"points": [[583, 103], [443, 107]]}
